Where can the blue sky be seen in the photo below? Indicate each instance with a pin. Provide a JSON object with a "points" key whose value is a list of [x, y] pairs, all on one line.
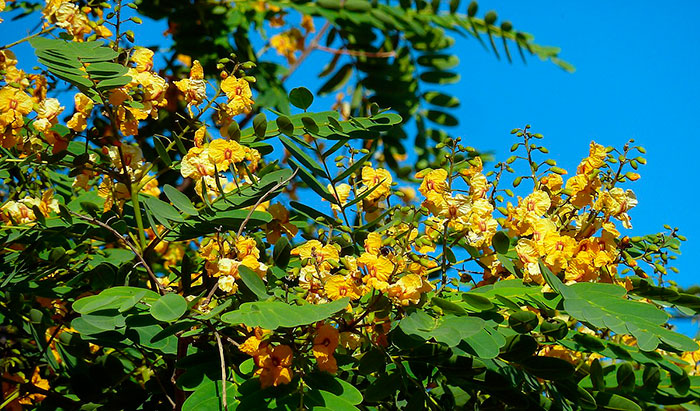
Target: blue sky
{"points": [[636, 77]]}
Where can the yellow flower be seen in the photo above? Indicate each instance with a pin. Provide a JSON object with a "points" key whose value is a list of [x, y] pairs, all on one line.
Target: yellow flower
{"points": [[595, 159], [408, 289], [616, 202], [373, 243], [194, 88], [227, 284], [83, 108], [338, 286], [307, 22], [434, 186], [559, 250], [553, 182], [314, 249], [246, 246], [582, 189], [251, 345], [379, 269], [47, 111], [343, 194], [325, 342], [240, 98], [275, 366], [279, 224], [536, 204], [223, 153], [372, 178], [288, 43], [142, 58], [14, 103], [478, 186], [196, 164]]}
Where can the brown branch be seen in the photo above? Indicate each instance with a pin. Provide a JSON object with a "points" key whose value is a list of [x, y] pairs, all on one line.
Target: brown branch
{"points": [[224, 400], [358, 53], [132, 247], [312, 46]]}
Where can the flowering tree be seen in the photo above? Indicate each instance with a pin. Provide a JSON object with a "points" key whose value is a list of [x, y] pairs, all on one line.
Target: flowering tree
{"points": [[167, 246]]}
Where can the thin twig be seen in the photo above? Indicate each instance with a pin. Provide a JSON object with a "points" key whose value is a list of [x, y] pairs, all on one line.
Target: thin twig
{"points": [[132, 247], [312, 46], [224, 401], [358, 53], [46, 30]]}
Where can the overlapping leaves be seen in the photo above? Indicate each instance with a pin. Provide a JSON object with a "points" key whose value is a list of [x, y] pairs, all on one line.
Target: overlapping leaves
{"points": [[89, 65]]}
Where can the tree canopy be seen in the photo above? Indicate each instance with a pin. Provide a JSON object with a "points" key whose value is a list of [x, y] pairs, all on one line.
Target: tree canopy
{"points": [[191, 236]]}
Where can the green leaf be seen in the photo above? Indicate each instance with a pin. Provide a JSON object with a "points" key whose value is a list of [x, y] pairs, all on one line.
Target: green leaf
{"points": [[449, 329], [310, 125], [162, 152], [337, 80], [179, 200], [253, 281], [448, 306], [614, 402], [442, 118], [208, 396], [523, 321], [477, 301], [625, 377], [285, 126], [519, 347], [312, 213], [281, 252], [311, 181], [334, 385], [440, 77], [441, 99], [501, 242], [548, 368], [304, 158], [301, 97], [596, 374], [651, 377], [169, 307], [162, 210], [260, 125], [605, 306], [274, 314], [439, 61]]}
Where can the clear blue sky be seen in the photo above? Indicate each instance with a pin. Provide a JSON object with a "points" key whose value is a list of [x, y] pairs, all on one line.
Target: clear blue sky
{"points": [[636, 78]]}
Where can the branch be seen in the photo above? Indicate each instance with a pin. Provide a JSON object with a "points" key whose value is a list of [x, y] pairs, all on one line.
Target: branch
{"points": [[133, 248], [224, 400], [358, 53]]}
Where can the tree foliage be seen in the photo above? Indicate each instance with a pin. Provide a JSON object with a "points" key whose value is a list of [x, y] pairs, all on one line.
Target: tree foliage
{"points": [[193, 236]]}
